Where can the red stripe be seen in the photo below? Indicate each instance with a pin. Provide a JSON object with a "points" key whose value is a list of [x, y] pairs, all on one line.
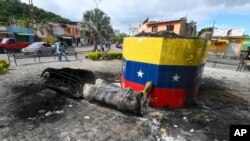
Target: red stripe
{"points": [[163, 97]]}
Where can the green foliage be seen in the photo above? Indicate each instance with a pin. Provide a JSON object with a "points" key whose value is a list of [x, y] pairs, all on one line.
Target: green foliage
{"points": [[94, 55], [118, 38], [96, 24], [3, 65], [115, 55], [14, 9], [204, 30], [104, 55]]}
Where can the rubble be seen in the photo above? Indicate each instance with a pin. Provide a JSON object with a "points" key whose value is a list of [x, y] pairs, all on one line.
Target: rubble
{"points": [[191, 130], [86, 117], [48, 113], [41, 111]]}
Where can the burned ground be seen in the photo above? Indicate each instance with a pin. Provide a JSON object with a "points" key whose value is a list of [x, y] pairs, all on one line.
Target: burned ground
{"points": [[30, 111]]}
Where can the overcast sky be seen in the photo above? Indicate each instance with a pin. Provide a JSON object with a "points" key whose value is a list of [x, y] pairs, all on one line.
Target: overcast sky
{"points": [[225, 13]]}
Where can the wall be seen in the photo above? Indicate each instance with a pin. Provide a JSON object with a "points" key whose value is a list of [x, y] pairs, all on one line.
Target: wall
{"points": [[163, 27], [73, 31], [234, 47], [218, 46], [15, 29]]}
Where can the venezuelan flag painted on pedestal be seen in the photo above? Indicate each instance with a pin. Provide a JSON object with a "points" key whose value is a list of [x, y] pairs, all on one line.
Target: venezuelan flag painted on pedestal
{"points": [[174, 65]]}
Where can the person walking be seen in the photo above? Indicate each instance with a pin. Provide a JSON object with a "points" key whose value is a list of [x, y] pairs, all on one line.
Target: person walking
{"points": [[60, 51]]}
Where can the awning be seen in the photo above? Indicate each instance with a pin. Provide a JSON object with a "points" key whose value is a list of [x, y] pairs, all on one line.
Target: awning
{"points": [[25, 34]]}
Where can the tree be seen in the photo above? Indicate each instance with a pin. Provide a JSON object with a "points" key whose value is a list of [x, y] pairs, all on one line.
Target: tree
{"points": [[16, 10], [96, 24], [204, 30], [118, 38]]}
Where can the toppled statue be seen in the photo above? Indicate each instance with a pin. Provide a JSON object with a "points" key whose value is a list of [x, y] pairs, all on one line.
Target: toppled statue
{"points": [[125, 100], [67, 80], [79, 83]]}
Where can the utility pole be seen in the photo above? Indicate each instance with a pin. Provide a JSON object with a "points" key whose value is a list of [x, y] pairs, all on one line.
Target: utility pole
{"points": [[31, 10], [97, 3]]}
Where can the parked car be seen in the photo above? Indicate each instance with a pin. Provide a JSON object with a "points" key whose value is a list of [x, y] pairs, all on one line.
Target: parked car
{"points": [[10, 45], [39, 48]]}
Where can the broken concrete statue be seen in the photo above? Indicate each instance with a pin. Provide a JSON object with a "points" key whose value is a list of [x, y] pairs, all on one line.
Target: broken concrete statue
{"points": [[68, 81], [125, 100], [79, 83]]}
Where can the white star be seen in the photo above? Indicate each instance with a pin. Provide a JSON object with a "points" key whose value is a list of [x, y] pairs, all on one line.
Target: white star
{"points": [[176, 78], [140, 73]]}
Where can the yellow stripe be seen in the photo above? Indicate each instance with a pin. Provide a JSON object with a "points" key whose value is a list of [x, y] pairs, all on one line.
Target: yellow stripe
{"points": [[164, 51]]}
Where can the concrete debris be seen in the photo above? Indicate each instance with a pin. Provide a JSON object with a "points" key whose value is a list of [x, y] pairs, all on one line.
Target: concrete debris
{"points": [[143, 119], [116, 84], [68, 138], [167, 138], [58, 112], [156, 122], [158, 116], [185, 119], [41, 111], [191, 130], [163, 131], [48, 114], [86, 117]]}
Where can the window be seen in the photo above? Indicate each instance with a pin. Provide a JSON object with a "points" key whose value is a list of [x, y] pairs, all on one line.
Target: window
{"points": [[11, 41], [170, 27], [154, 29], [76, 31], [46, 45]]}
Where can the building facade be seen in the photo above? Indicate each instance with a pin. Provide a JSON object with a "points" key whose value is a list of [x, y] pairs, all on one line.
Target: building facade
{"points": [[20, 34], [51, 32], [180, 27], [227, 42]]}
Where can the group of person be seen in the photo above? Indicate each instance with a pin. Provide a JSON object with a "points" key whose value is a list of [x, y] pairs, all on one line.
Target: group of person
{"points": [[101, 47]]}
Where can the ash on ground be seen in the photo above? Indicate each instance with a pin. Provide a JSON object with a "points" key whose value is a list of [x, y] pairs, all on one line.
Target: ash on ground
{"points": [[30, 111]]}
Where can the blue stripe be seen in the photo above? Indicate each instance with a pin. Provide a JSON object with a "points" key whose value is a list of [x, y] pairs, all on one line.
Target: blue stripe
{"points": [[162, 76]]}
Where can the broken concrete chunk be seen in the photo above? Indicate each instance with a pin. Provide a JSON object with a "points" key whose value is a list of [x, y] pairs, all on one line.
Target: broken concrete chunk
{"points": [[86, 117], [48, 114], [41, 111], [191, 130], [156, 122]]}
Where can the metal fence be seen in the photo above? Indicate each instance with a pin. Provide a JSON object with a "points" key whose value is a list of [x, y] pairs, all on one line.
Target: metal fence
{"points": [[240, 61], [36, 57]]}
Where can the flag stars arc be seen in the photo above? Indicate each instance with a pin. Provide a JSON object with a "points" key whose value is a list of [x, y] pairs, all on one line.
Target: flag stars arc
{"points": [[176, 78], [140, 74]]}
